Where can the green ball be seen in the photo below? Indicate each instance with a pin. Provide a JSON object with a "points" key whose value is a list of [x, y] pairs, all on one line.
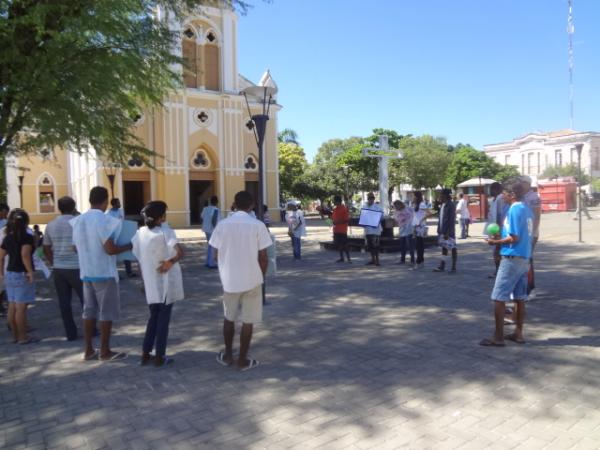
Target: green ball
{"points": [[493, 229]]}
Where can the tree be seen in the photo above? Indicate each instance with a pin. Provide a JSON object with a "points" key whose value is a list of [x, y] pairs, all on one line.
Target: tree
{"points": [[467, 163], [568, 170], [292, 164], [76, 72], [425, 161], [288, 135]]}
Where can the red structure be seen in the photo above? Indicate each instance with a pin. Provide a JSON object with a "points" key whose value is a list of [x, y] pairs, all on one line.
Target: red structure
{"points": [[559, 194], [476, 191]]}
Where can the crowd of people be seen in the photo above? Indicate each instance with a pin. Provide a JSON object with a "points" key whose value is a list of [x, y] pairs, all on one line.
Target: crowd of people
{"points": [[82, 250], [515, 208]]}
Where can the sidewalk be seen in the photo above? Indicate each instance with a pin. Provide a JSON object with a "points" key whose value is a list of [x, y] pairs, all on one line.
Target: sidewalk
{"points": [[351, 357]]}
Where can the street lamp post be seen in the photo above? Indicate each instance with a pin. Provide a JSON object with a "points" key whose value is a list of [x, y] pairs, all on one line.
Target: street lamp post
{"points": [[110, 170], [556, 194], [579, 148], [265, 96], [21, 177], [480, 197]]}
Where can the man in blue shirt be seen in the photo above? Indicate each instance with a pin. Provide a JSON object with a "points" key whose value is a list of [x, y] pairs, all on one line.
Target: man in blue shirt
{"points": [[515, 251]]}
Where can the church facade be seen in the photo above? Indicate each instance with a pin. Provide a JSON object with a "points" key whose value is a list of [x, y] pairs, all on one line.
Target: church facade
{"points": [[202, 137]]}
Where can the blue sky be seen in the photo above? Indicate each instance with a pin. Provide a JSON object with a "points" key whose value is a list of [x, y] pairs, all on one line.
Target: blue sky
{"points": [[473, 71]]}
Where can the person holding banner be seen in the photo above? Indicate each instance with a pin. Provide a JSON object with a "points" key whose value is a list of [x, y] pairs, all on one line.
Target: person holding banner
{"points": [[94, 235], [373, 231], [117, 212]]}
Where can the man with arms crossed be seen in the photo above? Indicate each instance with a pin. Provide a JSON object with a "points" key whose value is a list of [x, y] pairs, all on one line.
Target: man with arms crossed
{"points": [[240, 244], [94, 235], [515, 251]]}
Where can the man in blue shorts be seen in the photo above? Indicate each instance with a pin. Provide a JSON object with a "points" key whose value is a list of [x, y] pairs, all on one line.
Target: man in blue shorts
{"points": [[515, 251]]}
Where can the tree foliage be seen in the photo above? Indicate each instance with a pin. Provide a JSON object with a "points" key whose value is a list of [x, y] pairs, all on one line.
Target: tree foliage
{"points": [[288, 135], [425, 161], [568, 170], [75, 73], [467, 163], [292, 164]]}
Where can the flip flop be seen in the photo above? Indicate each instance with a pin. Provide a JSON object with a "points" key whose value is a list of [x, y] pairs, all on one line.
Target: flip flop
{"points": [[31, 340], [93, 357], [489, 343], [221, 361], [513, 338], [116, 357], [252, 365], [438, 269]]}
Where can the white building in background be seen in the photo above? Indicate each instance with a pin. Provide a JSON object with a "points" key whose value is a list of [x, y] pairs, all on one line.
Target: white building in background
{"points": [[536, 151]]}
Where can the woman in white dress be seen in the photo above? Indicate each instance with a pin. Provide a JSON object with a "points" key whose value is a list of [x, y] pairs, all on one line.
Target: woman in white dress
{"points": [[156, 248]]}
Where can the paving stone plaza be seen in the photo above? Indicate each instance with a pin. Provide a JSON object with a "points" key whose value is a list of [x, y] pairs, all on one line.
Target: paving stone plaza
{"points": [[351, 357]]}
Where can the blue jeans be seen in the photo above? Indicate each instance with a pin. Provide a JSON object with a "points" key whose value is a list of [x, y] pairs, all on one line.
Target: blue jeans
{"points": [[157, 329], [297, 247], [209, 252], [464, 228], [406, 242]]}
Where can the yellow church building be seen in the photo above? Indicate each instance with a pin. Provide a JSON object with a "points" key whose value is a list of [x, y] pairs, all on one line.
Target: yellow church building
{"points": [[203, 137]]}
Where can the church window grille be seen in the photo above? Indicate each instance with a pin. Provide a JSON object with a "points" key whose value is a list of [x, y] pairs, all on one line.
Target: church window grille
{"points": [[201, 160], [135, 161], [250, 163]]}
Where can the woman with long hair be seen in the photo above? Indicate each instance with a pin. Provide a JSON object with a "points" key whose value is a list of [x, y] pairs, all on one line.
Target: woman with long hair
{"points": [[19, 277]]}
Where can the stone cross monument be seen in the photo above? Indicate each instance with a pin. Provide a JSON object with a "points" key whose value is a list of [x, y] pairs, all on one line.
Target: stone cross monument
{"points": [[384, 153]]}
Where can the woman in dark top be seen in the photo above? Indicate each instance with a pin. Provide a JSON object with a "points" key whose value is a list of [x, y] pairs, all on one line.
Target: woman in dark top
{"points": [[18, 277]]}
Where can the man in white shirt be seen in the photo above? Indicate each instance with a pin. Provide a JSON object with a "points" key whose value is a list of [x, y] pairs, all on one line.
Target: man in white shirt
{"points": [[240, 244], [462, 211], [94, 235], [210, 218]]}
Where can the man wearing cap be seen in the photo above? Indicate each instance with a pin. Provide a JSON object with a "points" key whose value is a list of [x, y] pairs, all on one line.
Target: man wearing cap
{"points": [[372, 234], [533, 201]]}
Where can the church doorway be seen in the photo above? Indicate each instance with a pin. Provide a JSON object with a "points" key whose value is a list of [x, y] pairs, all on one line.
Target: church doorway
{"points": [[135, 196], [200, 192]]}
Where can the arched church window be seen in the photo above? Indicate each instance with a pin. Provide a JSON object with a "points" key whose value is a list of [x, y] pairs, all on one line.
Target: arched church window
{"points": [[200, 160], [250, 163], [211, 62], [46, 194], [190, 57]]}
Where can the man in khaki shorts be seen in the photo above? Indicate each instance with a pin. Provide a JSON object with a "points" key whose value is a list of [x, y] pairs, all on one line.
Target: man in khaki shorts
{"points": [[240, 244]]}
